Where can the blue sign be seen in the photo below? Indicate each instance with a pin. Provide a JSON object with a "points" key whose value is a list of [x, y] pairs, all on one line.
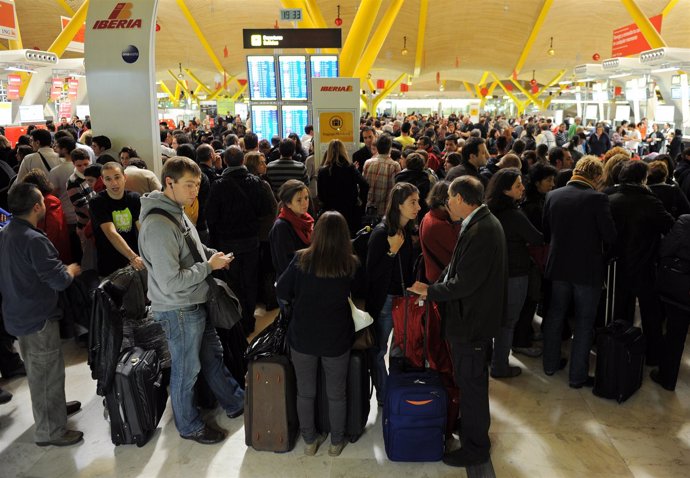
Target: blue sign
{"points": [[262, 78], [293, 77]]}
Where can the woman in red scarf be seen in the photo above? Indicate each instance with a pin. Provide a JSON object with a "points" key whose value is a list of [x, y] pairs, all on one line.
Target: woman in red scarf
{"points": [[293, 228]]}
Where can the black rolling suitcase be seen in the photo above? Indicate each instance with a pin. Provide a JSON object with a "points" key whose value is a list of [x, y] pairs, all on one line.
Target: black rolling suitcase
{"points": [[137, 398], [270, 409], [620, 351], [359, 391]]}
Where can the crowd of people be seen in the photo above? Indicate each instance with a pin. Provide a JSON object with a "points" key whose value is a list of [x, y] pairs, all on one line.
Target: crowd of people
{"points": [[511, 217]]}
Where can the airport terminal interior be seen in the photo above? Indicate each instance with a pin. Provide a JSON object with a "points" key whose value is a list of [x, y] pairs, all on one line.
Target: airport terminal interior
{"points": [[603, 61]]}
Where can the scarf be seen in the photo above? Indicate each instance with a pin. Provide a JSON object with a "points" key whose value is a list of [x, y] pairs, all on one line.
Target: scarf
{"points": [[303, 225], [582, 180]]}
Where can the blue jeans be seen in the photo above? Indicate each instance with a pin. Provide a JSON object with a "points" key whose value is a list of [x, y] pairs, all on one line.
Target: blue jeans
{"points": [[586, 299], [516, 293], [194, 346], [384, 326]]}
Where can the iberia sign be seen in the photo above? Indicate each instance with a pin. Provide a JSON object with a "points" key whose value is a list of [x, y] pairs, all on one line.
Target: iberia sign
{"points": [[120, 17], [336, 88]]}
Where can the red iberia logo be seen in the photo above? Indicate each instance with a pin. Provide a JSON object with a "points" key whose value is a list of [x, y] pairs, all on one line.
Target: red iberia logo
{"points": [[120, 17], [336, 88]]}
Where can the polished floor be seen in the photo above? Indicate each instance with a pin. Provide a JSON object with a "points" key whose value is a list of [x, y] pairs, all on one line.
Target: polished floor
{"points": [[540, 428]]}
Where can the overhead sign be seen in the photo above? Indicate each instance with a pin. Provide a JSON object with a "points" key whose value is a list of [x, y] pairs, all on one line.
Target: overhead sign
{"points": [[8, 24], [291, 14], [14, 82], [629, 40], [77, 43], [292, 38]]}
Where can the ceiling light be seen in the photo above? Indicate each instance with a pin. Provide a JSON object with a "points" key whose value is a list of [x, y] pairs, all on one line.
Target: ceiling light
{"points": [[180, 75], [20, 68], [665, 69], [551, 51], [403, 52]]}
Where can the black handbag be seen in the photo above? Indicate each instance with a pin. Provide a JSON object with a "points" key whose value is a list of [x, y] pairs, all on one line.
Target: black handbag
{"points": [[272, 340], [222, 305], [673, 282]]}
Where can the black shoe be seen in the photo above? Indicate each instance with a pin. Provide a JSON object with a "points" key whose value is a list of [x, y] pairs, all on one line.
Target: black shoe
{"points": [[17, 372], [460, 458], [5, 396], [589, 383], [654, 375], [73, 407], [206, 436], [236, 414], [561, 366], [512, 372], [69, 438]]}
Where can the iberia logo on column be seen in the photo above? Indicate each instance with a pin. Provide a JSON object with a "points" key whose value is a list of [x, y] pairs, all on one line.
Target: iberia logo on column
{"points": [[120, 17]]}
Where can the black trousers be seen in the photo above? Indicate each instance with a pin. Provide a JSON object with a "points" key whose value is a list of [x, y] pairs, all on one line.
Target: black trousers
{"points": [[242, 276], [470, 365], [523, 331], [673, 343]]}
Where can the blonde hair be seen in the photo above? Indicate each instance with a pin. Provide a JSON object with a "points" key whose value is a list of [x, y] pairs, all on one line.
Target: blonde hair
{"points": [[589, 167], [611, 163], [616, 151]]}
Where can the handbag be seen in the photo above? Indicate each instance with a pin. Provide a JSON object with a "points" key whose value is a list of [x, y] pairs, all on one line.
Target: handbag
{"points": [[364, 339], [222, 305], [361, 318], [673, 282], [272, 340]]}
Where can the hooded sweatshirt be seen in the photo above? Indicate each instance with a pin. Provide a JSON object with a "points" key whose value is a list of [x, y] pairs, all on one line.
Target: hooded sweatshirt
{"points": [[175, 280]]}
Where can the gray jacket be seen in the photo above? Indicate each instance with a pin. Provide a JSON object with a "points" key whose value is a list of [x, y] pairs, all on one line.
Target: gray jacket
{"points": [[175, 280]]}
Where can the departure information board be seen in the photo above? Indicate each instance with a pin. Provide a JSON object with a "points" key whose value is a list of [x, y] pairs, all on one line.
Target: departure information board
{"points": [[261, 72], [293, 77], [265, 121], [324, 66], [295, 118]]}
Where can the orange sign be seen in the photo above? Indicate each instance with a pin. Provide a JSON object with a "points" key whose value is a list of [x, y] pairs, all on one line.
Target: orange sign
{"points": [[336, 125], [77, 43], [628, 40], [13, 84], [8, 25]]}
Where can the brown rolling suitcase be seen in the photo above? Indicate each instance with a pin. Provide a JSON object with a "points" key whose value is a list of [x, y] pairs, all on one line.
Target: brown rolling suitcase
{"points": [[270, 411]]}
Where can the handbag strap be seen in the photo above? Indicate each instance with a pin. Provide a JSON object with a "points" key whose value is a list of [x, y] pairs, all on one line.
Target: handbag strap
{"points": [[45, 163], [187, 237], [405, 295]]}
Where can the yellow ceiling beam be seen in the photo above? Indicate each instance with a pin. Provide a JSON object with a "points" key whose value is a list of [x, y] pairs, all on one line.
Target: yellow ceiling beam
{"points": [[167, 91], [387, 91], [182, 86], [646, 28], [371, 84], [199, 34], [529, 95], [216, 93], [66, 7], [358, 35], [239, 92], [519, 104], [366, 61], [201, 86], [468, 88], [669, 7], [483, 79], [533, 35], [492, 88], [63, 40], [421, 33]]}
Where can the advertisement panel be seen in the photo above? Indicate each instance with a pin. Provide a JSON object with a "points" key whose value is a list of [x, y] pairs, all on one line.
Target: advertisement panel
{"points": [[628, 40]]}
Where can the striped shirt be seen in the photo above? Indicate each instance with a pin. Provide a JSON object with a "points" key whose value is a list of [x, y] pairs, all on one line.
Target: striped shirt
{"points": [[380, 172], [282, 169], [79, 193]]}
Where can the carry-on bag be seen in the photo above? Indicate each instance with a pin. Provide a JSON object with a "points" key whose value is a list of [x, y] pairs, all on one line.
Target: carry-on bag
{"points": [[270, 409], [137, 399], [620, 352], [359, 391], [414, 412]]}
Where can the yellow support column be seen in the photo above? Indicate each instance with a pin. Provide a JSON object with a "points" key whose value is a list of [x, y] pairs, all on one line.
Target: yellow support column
{"points": [[369, 56], [646, 28], [215, 94], [66, 7], [67, 35], [530, 97], [239, 92], [669, 7], [202, 39], [182, 86], [469, 89], [387, 91], [198, 81], [533, 35], [519, 104], [358, 35], [421, 33]]}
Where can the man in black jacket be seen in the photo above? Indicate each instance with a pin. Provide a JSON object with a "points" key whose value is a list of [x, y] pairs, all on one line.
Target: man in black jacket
{"points": [[474, 157], [577, 223], [235, 204], [641, 219], [472, 290]]}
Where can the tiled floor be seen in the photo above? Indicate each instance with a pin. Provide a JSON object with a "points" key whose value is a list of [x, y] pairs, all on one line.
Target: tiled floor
{"points": [[540, 428]]}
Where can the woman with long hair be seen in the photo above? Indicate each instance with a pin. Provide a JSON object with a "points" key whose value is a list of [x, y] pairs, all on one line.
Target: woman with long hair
{"points": [[293, 228], [317, 285], [389, 270], [503, 194], [299, 154], [341, 187]]}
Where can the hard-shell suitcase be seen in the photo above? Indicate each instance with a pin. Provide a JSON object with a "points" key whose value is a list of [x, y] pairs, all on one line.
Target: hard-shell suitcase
{"points": [[620, 351], [137, 398], [270, 410], [359, 390]]}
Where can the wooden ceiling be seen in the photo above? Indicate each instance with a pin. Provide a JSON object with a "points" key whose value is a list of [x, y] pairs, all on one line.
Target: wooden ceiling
{"points": [[463, 38]]}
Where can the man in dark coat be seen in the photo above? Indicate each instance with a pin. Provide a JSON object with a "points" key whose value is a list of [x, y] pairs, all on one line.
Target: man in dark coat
{"points": [[474, 158], [577, 223], [641, 219], [472, 290]]}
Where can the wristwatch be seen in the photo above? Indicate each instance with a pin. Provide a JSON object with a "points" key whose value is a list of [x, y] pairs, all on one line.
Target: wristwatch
{"points": [[391, 253]]}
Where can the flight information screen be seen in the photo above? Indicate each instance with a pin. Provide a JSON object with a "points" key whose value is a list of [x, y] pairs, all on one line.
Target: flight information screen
{"points": [[295, 118], [293, 77], [265, 121], [262, 78], [324, 66]]}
